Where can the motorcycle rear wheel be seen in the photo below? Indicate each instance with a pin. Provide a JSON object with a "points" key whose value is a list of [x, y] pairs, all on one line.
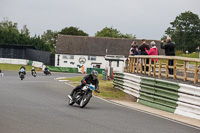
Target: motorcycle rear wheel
{"points": [[85, 100]]}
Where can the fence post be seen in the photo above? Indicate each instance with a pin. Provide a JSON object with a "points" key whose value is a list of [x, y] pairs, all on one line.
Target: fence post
{"points": [[154, 68], [141, 64], [130, 64], [145, 61], [150, 67], [137, 65], [184, 67], [133, 68], [174, 69], [160, 66], [196, 74], [166, 73]]}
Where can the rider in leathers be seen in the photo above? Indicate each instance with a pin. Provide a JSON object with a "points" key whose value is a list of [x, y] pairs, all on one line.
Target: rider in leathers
{"points": [[90, 78]]}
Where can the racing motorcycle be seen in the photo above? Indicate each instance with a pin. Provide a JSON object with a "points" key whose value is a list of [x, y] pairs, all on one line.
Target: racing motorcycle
{"points": [[47, 72], [34, 73], [22, 73], [82, 96]]}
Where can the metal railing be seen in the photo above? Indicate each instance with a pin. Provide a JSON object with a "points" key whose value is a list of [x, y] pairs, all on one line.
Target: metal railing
{"points": [[138, 64]]}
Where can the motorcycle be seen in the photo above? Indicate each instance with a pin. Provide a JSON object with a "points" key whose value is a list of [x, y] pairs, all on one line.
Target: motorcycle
{"points": [[47, 72], [22, 74], [34, 73], [82, 96]]}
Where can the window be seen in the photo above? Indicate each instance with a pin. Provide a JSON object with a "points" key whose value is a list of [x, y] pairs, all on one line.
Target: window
{"points": [[91, 57], [68, 56], [65, 61]]}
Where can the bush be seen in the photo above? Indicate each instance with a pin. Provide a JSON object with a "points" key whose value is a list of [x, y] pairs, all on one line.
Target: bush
{"points": [[178, 52]]}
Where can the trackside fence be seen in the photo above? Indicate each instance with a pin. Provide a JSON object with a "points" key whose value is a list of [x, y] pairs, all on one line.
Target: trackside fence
{"points": [[164, 95], [140, 64]]}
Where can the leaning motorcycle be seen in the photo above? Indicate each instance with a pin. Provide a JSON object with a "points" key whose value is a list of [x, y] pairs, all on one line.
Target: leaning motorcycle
{"points": [[47, 72], [82, 96], [34, 73]]}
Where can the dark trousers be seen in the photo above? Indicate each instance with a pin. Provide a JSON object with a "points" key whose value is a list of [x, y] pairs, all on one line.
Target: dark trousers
{"points": [[171, 63], [78, 87]]}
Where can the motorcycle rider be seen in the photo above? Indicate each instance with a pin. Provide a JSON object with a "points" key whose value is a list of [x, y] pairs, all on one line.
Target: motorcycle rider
{"points": [[33, 70], [22, 67], [88, 79], [46, 70]]}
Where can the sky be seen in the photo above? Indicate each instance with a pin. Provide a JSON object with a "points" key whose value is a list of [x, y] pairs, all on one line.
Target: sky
{"points": [[147, 19]]}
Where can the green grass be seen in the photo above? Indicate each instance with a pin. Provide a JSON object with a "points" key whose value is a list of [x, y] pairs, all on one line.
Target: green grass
{"points": [[105, 87], [191, 55], [13, 67]]}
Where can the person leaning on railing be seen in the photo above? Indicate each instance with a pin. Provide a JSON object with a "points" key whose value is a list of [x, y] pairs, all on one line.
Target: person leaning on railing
{"points": [[143, 52], [153, 51], [169, 51]]}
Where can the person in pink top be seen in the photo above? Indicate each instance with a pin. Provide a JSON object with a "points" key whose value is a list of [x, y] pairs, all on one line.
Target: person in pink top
{"points": [[153, 51]]}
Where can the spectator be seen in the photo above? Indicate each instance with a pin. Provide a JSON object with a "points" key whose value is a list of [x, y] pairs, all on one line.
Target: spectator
{"points": [[169, 51], [153, 51], [132, 48], [143, 52], [82, 69]]}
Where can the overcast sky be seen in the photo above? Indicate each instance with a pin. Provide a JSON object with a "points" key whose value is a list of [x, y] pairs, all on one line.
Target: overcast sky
{"points": [[143, 18]]}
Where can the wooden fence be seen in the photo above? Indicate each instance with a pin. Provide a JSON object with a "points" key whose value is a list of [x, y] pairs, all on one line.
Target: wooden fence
{"points": [[138, 64]]}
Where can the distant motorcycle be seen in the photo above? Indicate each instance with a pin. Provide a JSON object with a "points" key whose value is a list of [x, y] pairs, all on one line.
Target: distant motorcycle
{"points": [[82, 96], [47, 72], [34, 73], [22, 74]]}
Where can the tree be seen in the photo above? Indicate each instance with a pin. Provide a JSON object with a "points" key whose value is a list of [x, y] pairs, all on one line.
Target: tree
{"points": [[24, 37], [130, 36], [185, 31], [164, 37], [50, 39], [9, 33], [39, 43], [73, 31], [110, 32]]}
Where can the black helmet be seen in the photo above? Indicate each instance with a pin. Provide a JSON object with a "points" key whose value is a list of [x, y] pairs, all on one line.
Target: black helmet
{"points": [[94, 73]]}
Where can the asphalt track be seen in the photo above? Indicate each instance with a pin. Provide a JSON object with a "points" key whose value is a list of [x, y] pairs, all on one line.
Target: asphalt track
{"points": [[40, 105]]}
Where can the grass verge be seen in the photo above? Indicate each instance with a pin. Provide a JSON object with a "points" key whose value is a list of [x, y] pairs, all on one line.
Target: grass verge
{"points": [[106, 89]]}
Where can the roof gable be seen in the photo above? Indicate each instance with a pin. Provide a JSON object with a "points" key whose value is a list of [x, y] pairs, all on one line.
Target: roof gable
{"points": [[83, 45]]}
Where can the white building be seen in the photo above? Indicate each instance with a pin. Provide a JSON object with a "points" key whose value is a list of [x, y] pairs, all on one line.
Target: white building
{"points": [[92, 52]]}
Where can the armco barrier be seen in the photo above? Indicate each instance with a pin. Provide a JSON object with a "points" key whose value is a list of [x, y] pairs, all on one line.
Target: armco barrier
{"points": [[21, 62], [128, 83], [37, 64], [164, 95], [159, 94], [14, 61]]}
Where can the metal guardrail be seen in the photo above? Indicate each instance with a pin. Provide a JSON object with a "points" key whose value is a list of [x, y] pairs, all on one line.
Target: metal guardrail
{"points": [[138, 64]]}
